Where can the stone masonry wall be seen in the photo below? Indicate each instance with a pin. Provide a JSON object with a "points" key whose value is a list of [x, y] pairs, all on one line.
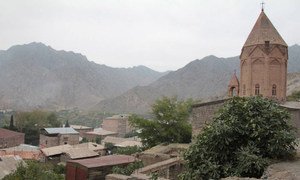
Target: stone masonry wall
{"points": [[203, 113]]}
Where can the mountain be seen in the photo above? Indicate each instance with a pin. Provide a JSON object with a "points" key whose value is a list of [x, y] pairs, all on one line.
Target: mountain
{"points": [[37, 76], [204, 79]]}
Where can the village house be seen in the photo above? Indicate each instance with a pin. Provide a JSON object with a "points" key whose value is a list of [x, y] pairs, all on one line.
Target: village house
{"points": [[98, 148], [10, 138], [95, 168], [98, 133], [122, 142], [65, 152], [25, 151], [118, 123], [58, 136]]}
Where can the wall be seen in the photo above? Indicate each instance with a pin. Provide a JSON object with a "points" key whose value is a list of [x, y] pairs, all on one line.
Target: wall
{"points": [[68, 139], [12, 141], [203, 113], [295, 118], [48, 141]]}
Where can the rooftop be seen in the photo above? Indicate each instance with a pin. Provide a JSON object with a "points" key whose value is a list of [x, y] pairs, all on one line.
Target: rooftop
{"points": [[90, 145], [263, 31], [101, 132], [61, 130], [104, 161], [80, 127], [23, 147], [55, 150], [77, 153], [8, 164], [118, 140], [129, 143], [5, 133]]}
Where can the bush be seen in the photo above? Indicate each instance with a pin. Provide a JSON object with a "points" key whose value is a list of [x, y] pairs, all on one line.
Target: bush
{"points": [[242, 139], [128, 170]]}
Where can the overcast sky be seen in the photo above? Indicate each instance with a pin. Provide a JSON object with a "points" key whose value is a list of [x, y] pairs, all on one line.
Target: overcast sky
{"points": [[161, 34]]}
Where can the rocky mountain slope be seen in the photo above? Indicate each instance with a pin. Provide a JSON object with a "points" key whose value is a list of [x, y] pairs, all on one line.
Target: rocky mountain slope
{"points": [[37, 76], [205, 79]]}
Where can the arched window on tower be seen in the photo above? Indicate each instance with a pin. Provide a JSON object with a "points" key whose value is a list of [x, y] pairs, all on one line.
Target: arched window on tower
{"points": [[274, 90], [256, 89], [244, 89]]}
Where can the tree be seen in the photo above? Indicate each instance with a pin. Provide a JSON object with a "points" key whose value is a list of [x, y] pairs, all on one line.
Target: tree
{"points": [[67, 124], [243, 138], [169, 125], [30, 123], [35, 171], [128, 169]]}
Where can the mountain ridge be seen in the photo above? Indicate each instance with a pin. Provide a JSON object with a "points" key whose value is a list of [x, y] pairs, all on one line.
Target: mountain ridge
{"points": [[37, 76], [206, 79]]}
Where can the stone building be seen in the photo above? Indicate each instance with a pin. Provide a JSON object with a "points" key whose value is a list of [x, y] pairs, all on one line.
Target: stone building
{"points": [[263, 67], [10, 138], [95, 168], [263, 62], [58, 136], [117, 123]]}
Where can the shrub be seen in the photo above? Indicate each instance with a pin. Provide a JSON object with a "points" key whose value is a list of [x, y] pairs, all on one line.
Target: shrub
{"points": [[242, 139]]}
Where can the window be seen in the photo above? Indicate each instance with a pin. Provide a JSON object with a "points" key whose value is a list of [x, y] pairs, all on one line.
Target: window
{"points": [[256, 89], [274, 90], [244, 89], [267, 44], [46, 142]]}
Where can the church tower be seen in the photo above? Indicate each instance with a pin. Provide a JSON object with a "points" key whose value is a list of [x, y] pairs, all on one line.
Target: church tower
{"points": [[263, 62]]}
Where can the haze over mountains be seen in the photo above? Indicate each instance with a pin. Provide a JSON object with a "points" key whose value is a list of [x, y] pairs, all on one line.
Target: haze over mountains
{"points": [[37, 76]]}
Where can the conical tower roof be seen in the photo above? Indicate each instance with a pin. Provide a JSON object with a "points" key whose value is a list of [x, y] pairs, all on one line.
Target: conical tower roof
{"points": [[262, 31], [234, 81]]}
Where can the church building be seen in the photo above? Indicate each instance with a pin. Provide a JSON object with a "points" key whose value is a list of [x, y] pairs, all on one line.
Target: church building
{"points": [[263, 63]]}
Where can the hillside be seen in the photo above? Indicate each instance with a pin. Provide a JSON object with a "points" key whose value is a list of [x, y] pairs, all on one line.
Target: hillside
{"points": [[204, 79], [36, 76]]}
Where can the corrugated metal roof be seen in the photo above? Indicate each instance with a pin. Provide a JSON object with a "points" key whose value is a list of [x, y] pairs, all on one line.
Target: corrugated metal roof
{"points": [[23, 147], [62, 130], [80, 127], [104, 161]]}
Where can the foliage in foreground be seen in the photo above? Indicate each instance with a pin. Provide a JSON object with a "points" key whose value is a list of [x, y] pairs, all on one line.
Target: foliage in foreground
{"points": [[295, 96], [169, 124], [242, 139], [36, 171], [128, 169]]}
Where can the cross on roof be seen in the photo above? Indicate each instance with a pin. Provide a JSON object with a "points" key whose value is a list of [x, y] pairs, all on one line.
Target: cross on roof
{"points": [[262, 5]]}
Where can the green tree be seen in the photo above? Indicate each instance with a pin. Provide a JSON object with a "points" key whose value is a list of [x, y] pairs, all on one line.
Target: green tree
{"points": [[67, 124], [295, 96], [128, 169], [169, 125], [34, 171], [30, 123], [243, 138]]}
